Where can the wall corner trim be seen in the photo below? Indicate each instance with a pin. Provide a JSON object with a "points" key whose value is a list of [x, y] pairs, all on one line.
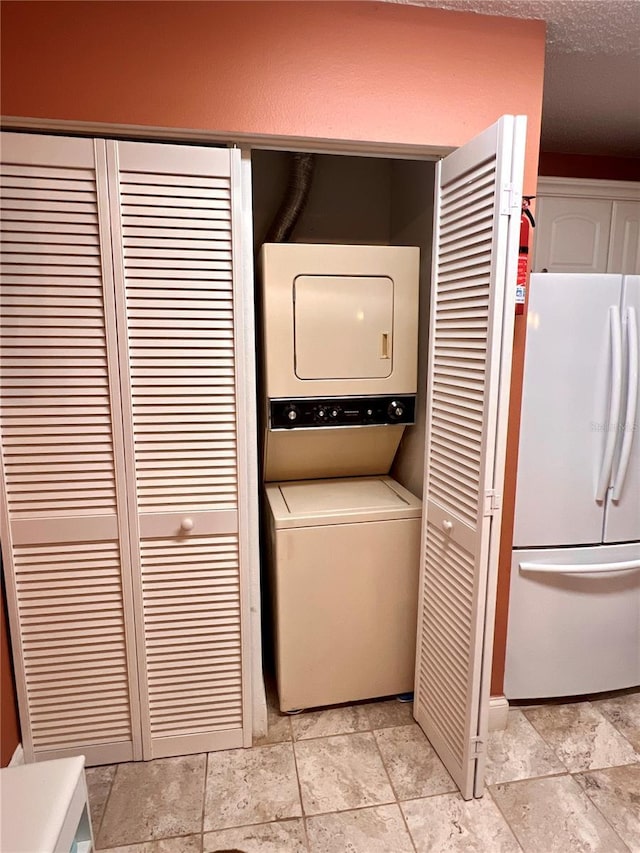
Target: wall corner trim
{"points": [[498, 713]]}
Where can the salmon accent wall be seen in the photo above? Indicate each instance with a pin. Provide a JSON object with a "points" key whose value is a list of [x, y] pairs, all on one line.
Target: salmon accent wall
{"points": [[9, 728], [357, 71], [351, 71]]}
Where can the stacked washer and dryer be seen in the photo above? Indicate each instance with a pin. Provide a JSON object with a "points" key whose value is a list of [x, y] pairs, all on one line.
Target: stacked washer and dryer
{"points": [[340, 336]]}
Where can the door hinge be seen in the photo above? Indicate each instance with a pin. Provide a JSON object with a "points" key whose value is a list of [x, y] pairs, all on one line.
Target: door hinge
{"points": [[510, 201], [477, 746], [492, 502]]}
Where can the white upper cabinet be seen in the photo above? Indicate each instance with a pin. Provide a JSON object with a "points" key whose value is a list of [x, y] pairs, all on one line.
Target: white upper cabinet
{"points": [[624, 245], [587, 226]]}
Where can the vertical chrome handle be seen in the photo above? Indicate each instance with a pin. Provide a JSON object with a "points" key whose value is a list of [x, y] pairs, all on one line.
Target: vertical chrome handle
{"points": [[611, 430], [630, 417]]}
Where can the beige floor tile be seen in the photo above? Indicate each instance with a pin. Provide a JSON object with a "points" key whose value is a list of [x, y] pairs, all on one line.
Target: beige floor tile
{"points": [[154, 799], [330, 721], [376, 830], [389, 712], [341, 773], [581, 737], [555, 816], [519, 752], [99, 781], [186, 844], [254, 785], [278, 728], [623, 712], [448, 824], [412, 764], [285, 836], [616, 793]]}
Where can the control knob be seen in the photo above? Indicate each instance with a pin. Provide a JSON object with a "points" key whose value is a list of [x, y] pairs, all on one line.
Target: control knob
{"points": [[395, 410], [321, 414], [292, 413], [335, 412]]}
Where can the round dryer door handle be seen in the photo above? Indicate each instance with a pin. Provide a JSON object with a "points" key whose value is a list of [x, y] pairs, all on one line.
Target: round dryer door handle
{"points": [[447, 526], [186, 525]]}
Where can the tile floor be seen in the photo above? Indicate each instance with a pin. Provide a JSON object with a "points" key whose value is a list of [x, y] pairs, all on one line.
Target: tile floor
{"points": [[364, 779]]}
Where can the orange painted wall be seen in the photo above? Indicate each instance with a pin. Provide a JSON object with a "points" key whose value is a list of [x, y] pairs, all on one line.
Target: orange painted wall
{"points": [[344, 70], [9, 727], [358, 71]]}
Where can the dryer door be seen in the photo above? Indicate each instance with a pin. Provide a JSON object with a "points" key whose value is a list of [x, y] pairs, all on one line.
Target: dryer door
{"points": [[478, 193], [343, 326]]}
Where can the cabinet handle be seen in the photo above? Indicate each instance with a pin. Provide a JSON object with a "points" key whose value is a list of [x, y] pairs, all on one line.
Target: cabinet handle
{"points": [[447, 526], [186, 525]]}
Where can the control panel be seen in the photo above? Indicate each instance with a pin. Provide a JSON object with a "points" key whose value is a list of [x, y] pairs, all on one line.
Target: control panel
{"points": [[342, 411]]}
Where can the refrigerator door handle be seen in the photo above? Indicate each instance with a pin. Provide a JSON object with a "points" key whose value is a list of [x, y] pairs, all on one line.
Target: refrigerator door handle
{"points": [[629, 425], [580, 568], [611, 430]]}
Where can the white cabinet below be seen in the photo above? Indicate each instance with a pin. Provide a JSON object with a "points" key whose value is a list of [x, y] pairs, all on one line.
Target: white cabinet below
{"points": [[586, 226]]}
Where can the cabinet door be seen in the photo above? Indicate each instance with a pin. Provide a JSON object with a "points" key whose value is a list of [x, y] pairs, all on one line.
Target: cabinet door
{"points": [[64, 532], [476, 229], [624, 246], [572, 235], [176, 263]]}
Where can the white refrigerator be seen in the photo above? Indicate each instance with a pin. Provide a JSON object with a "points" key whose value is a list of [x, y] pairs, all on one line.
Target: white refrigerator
{"points": [[574, 613]]}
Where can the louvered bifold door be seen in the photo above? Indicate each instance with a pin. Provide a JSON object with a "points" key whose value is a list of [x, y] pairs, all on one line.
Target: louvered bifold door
{"points": [[64, 532], [477, 215], [177, 286]]}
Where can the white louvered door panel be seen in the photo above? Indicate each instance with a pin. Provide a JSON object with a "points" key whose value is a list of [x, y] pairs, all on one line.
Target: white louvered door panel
{"points": [[65, 548], [177, 273], [478, 195]]}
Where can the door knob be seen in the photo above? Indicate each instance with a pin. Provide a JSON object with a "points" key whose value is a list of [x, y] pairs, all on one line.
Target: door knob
{"points": [[186, 524], [447, 526]]}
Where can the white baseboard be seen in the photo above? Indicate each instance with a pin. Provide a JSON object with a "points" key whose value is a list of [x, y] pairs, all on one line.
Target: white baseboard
{"points": [[18, 756], [498, 713]]}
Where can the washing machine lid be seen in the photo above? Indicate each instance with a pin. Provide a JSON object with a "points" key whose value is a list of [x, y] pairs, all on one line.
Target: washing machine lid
{"points": [[308, 503]]}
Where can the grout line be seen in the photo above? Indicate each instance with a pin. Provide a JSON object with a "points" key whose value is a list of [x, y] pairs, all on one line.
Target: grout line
{"points": [[204, 797], [395, 793], [302, 809], [504, 817], [106, 803], [599, 810]]}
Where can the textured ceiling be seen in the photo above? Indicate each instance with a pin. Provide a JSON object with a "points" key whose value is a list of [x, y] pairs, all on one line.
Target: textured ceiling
{"points": [[592, 72], [573, 26]]}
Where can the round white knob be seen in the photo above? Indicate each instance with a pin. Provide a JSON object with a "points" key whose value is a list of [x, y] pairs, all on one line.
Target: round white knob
{"points": [[447, 526], [186, 524]]}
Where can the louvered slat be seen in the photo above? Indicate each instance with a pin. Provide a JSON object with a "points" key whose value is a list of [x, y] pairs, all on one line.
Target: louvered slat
{"points": [[470, 256], [159, 341], [178, 316], [191, 594], [77, 687], [66, 706]]}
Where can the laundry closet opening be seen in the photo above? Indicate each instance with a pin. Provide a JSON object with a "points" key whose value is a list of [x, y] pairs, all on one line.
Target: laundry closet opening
{"points": [[340, 500]]}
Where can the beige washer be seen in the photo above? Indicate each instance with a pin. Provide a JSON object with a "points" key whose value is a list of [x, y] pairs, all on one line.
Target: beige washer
{"points": [[343, 560]]}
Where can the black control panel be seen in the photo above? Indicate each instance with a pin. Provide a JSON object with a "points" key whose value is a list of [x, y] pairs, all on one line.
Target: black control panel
{"points": [[342, 411]]}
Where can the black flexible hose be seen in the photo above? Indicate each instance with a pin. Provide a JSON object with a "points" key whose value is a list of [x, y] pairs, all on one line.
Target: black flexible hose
{"points": [[295, 198]]}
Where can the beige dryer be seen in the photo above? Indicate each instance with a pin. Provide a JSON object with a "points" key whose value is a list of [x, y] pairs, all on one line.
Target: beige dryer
{"points": [[344, 582]]}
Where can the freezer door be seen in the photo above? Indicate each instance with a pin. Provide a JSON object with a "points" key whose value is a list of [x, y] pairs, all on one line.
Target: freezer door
{"points": [[622, 517], [573, 632], [571, 329]]}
